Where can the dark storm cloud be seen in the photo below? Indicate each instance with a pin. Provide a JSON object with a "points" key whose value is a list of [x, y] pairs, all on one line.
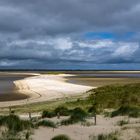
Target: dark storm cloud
{"points": [[53, 17], [39, 32]]}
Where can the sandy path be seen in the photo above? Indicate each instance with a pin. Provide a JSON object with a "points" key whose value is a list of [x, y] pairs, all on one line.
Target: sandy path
{"points": [[46, 87], [79, 132]]}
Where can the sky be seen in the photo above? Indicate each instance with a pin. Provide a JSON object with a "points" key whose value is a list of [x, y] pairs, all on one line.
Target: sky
{"points": [[70, 34]]}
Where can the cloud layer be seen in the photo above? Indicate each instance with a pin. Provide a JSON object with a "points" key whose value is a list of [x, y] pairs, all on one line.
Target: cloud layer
{"points": [[69, 34]]}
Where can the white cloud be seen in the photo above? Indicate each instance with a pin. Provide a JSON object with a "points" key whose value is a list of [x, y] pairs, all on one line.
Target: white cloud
{"points": [[126, 49], [96, 44], [64, 48], [61, 43]]}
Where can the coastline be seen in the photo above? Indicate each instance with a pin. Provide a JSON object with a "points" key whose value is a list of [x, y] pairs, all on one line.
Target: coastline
{"points": [[41, 87], [45, 87]]}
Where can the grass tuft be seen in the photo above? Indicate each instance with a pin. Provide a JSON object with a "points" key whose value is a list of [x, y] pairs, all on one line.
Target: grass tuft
{"points": [[13, 123], [61, 137], [63, 111], [77, 115], [48, 114], [47, 123], [111, 136]]}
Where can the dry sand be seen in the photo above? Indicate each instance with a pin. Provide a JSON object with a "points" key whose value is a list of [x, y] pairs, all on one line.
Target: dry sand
{"points": [[79, 132], [46, 87]]}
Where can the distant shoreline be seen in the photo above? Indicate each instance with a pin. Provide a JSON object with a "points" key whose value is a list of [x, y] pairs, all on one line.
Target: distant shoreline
{"points": [[65, 70]]}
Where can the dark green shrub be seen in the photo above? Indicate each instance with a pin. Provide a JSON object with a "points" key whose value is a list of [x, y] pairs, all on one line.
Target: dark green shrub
{"points": [[111, 136], [91, 109], [127, 110], [78, 114], [63, 111], [106, 137], [61, 137], [48, 114], [47, 123]]}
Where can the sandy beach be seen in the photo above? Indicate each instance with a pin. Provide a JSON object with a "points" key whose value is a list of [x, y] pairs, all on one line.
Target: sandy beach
{"points": [[46, 87]]}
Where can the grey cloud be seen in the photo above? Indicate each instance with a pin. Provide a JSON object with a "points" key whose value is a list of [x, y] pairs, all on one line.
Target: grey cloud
{"points": [[51, 49], [30, 31], [53, 17]]}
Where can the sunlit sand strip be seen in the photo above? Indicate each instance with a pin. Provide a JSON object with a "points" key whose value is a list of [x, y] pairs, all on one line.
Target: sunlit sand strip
{"points": [[20, 73], [46, 87]]}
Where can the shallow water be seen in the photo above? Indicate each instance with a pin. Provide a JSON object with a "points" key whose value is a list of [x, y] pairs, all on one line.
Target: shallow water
{"points": [[110, 75], [8, 90], [101, 79]]}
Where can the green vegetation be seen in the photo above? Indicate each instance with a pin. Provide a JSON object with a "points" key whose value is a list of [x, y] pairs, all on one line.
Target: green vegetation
{"points": [[48, 105], [61, 137], [13, 123], [113, 96], [124, 98], [47, 123], [8, 135], [123, 122], [48, 114], [111, 136], [77, 115], [127, 110], [63, 111], [15, 129], [58, 111], [54, 72]]}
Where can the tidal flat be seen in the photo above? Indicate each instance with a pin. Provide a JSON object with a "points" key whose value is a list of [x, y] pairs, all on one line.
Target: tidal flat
{"points": [[9, 92]]}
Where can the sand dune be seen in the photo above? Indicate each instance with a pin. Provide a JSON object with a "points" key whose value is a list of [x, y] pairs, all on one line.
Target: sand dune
{"points": [[46, 87]]}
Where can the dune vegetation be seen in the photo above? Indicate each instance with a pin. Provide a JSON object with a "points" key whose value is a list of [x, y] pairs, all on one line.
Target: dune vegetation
{"points": [[112, 100], [125, 99], [14, 128], [61, 137]]}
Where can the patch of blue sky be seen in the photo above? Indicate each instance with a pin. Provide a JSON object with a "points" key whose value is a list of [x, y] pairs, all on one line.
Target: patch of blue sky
{"points": [[109, 35]]}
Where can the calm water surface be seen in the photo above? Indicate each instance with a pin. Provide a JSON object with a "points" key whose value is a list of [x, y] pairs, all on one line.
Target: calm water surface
{"points": [[110, 75], [101, 79], [8, 90]]}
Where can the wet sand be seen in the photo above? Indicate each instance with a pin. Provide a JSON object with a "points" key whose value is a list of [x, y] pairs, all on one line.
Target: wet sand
{"points": [[102, 78], [45, 87], [42, 87], [8, 90], [98, 82]]}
